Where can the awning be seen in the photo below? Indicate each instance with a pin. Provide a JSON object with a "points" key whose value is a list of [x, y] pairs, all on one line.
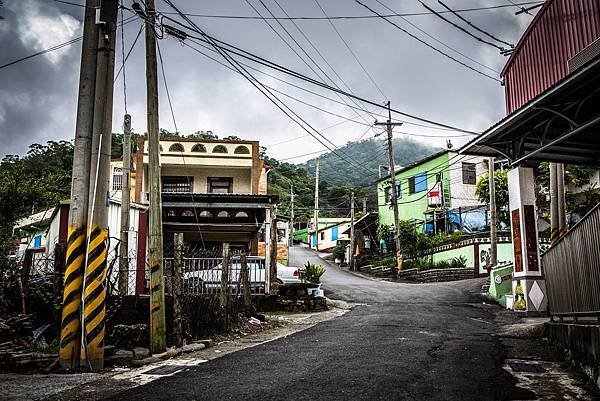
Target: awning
{"points": [[562, 124]]}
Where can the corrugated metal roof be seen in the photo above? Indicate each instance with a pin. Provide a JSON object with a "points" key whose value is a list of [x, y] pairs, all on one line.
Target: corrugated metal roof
{"points": [[560, 30]]}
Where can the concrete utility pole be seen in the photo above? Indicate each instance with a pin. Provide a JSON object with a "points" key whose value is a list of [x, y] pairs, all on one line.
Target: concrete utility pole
{"points": [[316, 213], [94, 290], [177, 290], [493, 216], [390, 125], [364, 205], [291, 240], [155, 237], [70, 334], [125, 206], [352, 245]]}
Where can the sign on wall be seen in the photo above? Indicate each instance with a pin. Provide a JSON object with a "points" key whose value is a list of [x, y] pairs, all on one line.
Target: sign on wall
{"points": [[434, 196]]}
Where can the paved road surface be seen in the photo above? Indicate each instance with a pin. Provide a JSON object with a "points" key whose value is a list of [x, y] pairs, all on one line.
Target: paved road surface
{"points": [[407, 342]]}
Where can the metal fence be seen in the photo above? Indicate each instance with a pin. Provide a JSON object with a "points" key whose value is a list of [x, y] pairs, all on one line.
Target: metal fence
{"points": [[203, 275], [572, 268]]}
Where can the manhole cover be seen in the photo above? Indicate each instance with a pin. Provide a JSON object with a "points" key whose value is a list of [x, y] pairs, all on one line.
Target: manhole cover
{"points": [[165, 370], [526, 367]]}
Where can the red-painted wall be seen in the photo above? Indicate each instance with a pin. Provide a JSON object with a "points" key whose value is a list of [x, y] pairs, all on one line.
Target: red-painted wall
{"points": [[560, 30]]}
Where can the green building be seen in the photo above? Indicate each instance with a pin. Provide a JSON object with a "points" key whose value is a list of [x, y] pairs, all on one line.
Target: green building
{"points": [[437, 193]]}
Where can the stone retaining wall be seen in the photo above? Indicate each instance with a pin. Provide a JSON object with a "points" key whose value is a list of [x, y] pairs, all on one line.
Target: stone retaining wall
{"points": [[436, 275]]}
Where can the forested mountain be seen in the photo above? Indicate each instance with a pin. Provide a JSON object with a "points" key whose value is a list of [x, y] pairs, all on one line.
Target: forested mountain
{"points": [[338, 177], [368, 155]]}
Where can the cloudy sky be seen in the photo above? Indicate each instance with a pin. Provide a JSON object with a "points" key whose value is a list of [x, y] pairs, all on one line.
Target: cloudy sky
{"points": [[38, 96]]}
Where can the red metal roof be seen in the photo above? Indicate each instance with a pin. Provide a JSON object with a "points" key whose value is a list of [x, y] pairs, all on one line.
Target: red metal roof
{"points": [[560, 30]]}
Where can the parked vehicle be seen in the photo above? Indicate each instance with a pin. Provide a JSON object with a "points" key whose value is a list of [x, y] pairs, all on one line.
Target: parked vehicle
{"points": [[202, 278]]}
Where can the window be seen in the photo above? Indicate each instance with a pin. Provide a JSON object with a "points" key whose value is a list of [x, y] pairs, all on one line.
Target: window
{"points": [[417, 183], [241, 150], [117, 179], [220, 185], [322, 233], [223, 214], [176, 147], [177, 184], [219, 149], [241, 215], [199, 148], [205, 213], [469, 174]]}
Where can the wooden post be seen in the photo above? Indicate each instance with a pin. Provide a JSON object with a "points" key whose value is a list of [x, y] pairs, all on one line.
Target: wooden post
{"points": [[273, 254], [125, 206], [177, 291], [245, 276], [155, 234], [352, 239], [224, 295]]}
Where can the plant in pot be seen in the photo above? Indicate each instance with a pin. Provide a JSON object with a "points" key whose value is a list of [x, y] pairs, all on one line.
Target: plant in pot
{"points": [[339, 253], [312, 275]]}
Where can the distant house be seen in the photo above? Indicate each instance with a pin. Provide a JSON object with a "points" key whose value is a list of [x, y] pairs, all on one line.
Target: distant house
{"points": [[331, 230], [437, 193]]}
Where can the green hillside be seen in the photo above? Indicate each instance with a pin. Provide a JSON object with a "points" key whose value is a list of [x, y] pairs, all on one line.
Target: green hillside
{"points": [[338, 178]]}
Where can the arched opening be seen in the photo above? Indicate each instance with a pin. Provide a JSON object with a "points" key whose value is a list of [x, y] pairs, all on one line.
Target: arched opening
{"points": [[176, 147], [206, 214], [242, 150], [199, 148], [219, 149], [223, 214], [241, 215]]}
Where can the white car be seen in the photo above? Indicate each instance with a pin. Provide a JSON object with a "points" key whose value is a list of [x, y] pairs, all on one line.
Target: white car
{"points": [[208, 280]]}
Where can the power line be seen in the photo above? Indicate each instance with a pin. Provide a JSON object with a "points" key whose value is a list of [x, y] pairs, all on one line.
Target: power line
{"points": [[162, 69], [55, 47], [350, 50], [347, 17], [192, 39], [460, 28], [266, 92], [129, 52], [473, 26], [231, 49], [428, 44], [439, 41]]}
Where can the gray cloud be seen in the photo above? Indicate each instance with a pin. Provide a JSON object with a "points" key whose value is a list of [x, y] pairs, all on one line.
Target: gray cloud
{"points": [[38, 96]]}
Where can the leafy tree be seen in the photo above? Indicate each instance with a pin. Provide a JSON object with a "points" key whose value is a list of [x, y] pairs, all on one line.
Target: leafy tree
{"points": [[482, 190]]}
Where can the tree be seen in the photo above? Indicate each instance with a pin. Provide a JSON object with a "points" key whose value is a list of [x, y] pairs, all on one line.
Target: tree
{"points": [[482, 190]]}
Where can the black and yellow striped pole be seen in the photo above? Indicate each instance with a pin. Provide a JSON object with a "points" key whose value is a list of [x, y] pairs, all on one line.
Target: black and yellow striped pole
{"points": [[70, 333], [93, 298]]}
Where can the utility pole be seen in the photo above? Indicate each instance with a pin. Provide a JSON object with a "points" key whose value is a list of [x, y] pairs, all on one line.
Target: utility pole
{"points": [[560, 187], [125, 206], [390, 125], [93, 298], [316, 213], [292, 214], [364, 205], [493, 217], [352, 245], [155, 237], [70, 333]]}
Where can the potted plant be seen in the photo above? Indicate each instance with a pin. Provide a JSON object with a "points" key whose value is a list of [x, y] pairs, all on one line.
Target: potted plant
{"points": [[312, 275], [339, 253]]}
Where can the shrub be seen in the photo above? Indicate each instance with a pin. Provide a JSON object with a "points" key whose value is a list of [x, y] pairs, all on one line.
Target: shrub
{"points": [[312, 273], [458, 262], [339, 252]]}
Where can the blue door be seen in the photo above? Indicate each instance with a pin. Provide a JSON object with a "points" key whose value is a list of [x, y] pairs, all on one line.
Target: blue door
{"points": [[313, 240], [334, 233]]}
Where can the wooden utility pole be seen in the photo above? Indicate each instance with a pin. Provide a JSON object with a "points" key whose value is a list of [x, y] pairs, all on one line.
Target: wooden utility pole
{"points": [[273, 287], [364, 205], [177, 292], [125, 206], [554, 230], [390, 125], [70, 334], [291, 240], [493, 217], [316, 212], [94, 280], [155, 235], [352, 244]]}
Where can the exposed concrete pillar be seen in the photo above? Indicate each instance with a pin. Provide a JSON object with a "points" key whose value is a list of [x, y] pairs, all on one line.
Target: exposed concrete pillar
{"points": [[529, 285]]}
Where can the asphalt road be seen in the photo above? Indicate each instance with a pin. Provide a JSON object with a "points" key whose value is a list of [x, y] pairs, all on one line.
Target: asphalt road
{"points": [[405, 342]]}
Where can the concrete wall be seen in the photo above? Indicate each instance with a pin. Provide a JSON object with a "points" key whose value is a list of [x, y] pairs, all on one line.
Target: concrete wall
{"points": [[242, 179], [462, 195], [327, 242], [474, 252]]}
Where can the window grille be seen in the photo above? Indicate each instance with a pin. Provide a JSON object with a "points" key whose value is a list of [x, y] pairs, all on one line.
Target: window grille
{"points": [[177, 184], [469, 174]]}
